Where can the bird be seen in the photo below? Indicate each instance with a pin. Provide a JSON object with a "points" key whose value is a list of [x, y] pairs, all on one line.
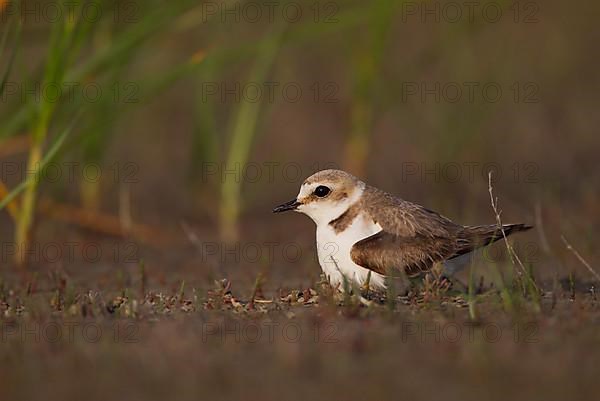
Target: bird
{"points": [[365, 234]]}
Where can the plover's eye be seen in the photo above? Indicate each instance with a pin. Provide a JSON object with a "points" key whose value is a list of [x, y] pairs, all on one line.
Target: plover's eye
{"points": [[322, 191]]}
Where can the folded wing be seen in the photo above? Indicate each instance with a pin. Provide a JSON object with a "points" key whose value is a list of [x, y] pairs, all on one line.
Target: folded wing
{"points": [[414, 238]]}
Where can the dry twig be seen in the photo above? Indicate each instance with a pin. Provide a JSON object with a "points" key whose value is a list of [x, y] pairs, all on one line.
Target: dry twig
{"points": [[580, 258], [511, 252]]}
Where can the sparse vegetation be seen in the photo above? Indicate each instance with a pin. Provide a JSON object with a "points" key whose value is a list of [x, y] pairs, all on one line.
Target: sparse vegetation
{"points": [[143, 147]]}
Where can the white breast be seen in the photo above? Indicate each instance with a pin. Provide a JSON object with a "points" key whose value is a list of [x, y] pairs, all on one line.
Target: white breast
{"points": [[333, 250]]}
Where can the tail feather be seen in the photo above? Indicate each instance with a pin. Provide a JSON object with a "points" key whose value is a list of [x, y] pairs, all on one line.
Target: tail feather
{"points": [[473, 237]]}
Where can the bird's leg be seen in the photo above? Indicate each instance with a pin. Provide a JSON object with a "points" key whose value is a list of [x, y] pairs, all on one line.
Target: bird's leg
{"points": [[453, 283]]}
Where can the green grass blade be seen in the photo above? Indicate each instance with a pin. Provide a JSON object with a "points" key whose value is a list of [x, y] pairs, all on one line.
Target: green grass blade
{"points": [[243, 134], [56, 146], [13, 54]]}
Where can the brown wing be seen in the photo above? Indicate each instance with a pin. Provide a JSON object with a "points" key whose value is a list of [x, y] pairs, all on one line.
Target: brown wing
{"points": [[414, 238], [406, 219], [384, 252]]}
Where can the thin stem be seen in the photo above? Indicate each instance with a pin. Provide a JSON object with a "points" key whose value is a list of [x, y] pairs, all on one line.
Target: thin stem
{"points": [[580, 258], [22, 232]]}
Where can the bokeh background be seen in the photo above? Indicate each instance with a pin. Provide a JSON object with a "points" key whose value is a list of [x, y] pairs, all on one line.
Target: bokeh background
{"points": [[144, 143], [201, 116]]}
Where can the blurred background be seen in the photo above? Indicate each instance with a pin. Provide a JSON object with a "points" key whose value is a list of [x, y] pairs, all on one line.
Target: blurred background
{"points": [[163, 133]]}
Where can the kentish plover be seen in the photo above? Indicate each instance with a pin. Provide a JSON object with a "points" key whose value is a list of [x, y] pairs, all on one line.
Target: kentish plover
{"points": [[361, 229]]}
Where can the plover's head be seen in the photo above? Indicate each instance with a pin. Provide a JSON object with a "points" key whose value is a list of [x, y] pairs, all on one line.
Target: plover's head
{"points": [[325, 195]]}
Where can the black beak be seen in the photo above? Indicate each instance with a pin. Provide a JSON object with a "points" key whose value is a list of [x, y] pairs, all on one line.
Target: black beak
{"points": [[291, 205]]}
